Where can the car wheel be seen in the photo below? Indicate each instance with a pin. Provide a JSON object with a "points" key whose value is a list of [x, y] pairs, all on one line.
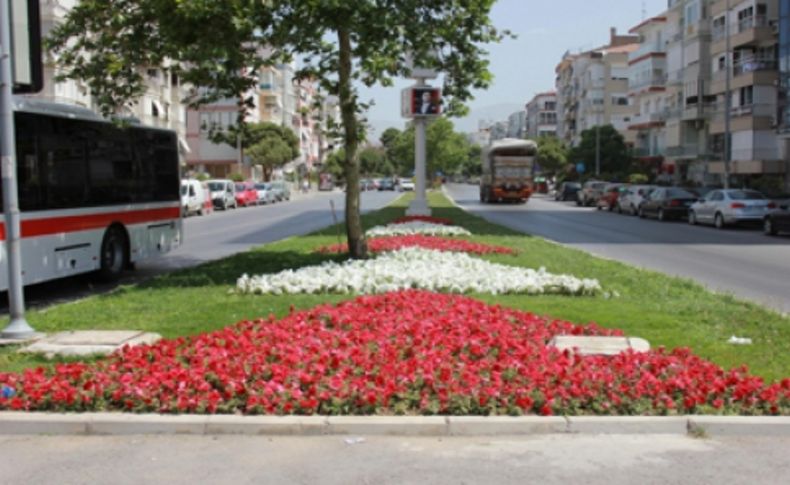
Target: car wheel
{"points": [[661, 216], [114, 254], [769, 228], [718, 221], [692, 218]]}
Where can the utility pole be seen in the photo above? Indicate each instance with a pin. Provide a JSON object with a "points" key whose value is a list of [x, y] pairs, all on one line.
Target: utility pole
{"points": [[18, 328], [597, 149], [727, 99]]}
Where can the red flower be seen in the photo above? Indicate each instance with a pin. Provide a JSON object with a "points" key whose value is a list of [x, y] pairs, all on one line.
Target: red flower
{"points": [[410, 352]]}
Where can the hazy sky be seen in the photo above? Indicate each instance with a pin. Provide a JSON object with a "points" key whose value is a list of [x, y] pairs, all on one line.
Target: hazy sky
{"points": [[525, 66]]}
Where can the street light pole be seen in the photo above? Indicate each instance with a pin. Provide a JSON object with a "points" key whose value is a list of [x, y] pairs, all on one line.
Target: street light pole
{"points": [[727, 98], [18, 328]]}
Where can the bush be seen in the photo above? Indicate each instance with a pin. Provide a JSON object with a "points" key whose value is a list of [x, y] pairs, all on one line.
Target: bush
{"points": [[236, 177]]}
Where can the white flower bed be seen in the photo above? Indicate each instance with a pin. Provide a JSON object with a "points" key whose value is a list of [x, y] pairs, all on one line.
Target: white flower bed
{"points": [[417, 268], [417, 227]]}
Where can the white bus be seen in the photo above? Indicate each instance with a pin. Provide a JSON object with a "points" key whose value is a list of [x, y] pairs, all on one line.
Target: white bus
{"points": [[92, 196]]}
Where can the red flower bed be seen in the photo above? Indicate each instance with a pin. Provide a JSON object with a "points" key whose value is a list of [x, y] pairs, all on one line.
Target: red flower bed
{"points": [[393, 243], [408, 352], [429, 219]]}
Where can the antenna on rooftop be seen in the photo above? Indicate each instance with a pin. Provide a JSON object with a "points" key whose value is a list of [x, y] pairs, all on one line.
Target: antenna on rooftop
{"points": [[644, 10]]}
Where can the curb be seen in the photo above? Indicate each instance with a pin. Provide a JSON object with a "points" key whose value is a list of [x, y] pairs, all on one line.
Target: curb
{"points": [[102, 424]]}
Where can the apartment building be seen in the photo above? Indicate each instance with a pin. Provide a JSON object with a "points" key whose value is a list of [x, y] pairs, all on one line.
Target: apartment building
{"points": [[161, 105], [592, 89], [517, 124], [542, 115], [744, 49], [648, 93]]}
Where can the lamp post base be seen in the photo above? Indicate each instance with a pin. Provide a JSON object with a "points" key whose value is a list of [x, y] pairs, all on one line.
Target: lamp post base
{"points": [[418, 207]]}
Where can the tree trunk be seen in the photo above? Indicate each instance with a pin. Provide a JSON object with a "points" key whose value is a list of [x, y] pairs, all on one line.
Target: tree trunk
{"points": [[357, 245]]}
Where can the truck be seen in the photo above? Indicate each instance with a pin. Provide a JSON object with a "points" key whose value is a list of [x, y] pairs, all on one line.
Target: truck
{"points": [[508, 169]]}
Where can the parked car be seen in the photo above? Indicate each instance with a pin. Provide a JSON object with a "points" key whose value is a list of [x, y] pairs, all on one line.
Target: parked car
{"points": [[733, 206], [610, 197], [777, 221], [387, 184], [667, 203], [590, 192], [281, 190], [567, 191], [632, 198], [246, 194], [366, 184], [223, 193], [193, 197], [265, 193], [405, 185]]}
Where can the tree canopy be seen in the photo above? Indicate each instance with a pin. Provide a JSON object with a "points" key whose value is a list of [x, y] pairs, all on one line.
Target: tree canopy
{"points": [[446, 149], [552, 154], [615, 157], [219, 47]]}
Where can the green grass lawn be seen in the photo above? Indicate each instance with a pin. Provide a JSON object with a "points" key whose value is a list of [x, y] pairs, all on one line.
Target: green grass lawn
{"points": [[667, 311]]}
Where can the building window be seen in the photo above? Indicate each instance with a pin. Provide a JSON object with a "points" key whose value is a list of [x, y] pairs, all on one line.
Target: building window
{"points": [[154, 110]]}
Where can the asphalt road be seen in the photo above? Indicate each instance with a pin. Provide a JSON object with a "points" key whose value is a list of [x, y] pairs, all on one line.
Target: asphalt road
{"points": [[215, 236], [740, 261], [560, 459]]}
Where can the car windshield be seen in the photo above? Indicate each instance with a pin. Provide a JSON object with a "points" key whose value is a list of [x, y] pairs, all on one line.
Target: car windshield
{"points": [[745, 195], [680, 194], [240, 187], [216, 186], [260, 186]]}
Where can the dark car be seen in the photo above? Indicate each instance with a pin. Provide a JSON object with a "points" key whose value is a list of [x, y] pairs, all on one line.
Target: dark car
{"points": [[567, 191], [667, 203], [387, 184], [777, 221], [610, 196]]}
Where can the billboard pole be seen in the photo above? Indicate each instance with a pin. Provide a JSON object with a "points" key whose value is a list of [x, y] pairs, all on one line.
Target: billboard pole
{"points": [[18, 328]]}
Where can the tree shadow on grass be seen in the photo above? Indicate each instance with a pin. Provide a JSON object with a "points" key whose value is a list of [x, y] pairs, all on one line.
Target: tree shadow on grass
{"points": [[227, 271]]}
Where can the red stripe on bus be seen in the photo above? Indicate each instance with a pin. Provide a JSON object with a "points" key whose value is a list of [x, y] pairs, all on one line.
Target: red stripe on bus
{"points": [[59, 225]]}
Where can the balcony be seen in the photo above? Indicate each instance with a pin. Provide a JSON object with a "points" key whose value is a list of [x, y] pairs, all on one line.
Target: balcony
{"points": [[747, 72], [650, 81], [647, 152], [749, 31], [647, 121], [688, 151], [645, 49], [748, 117]]}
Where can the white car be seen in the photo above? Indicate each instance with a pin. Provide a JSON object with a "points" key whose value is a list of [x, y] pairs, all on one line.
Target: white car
{"points": [[632, 198], [223, 193], [405, 184], [733, 206], [193, 197], [265, 193]]}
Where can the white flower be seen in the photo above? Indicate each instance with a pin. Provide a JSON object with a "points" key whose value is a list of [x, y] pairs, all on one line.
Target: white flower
{"points": [[417, 268], [417, 227]]}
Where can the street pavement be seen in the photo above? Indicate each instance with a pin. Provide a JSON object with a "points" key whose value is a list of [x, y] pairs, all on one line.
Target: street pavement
{"points": [[740, 261], [550, 459], [216, 236]]}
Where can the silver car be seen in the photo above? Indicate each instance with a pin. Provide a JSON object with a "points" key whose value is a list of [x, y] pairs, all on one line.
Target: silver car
{"points": [[732, 206], [632, 198]]}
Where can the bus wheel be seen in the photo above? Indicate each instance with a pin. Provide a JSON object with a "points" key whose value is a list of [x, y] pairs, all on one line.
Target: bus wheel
{"points": [[113, 257]]}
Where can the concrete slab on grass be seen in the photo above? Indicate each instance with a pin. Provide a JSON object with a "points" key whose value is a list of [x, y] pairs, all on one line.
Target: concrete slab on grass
{"points": [[89, 342], [600, 345]]}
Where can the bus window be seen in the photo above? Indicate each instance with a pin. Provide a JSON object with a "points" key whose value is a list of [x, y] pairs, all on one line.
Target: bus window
{"points": [[29, 178], [110, 167], [62, 146]]}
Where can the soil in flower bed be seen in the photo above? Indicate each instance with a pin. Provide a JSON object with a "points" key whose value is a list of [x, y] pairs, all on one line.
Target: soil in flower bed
{"points": [[408, 352], [394, 243]]}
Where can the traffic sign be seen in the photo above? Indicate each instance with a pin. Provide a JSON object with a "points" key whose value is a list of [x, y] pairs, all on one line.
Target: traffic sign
{"points": [[28, 76]]}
